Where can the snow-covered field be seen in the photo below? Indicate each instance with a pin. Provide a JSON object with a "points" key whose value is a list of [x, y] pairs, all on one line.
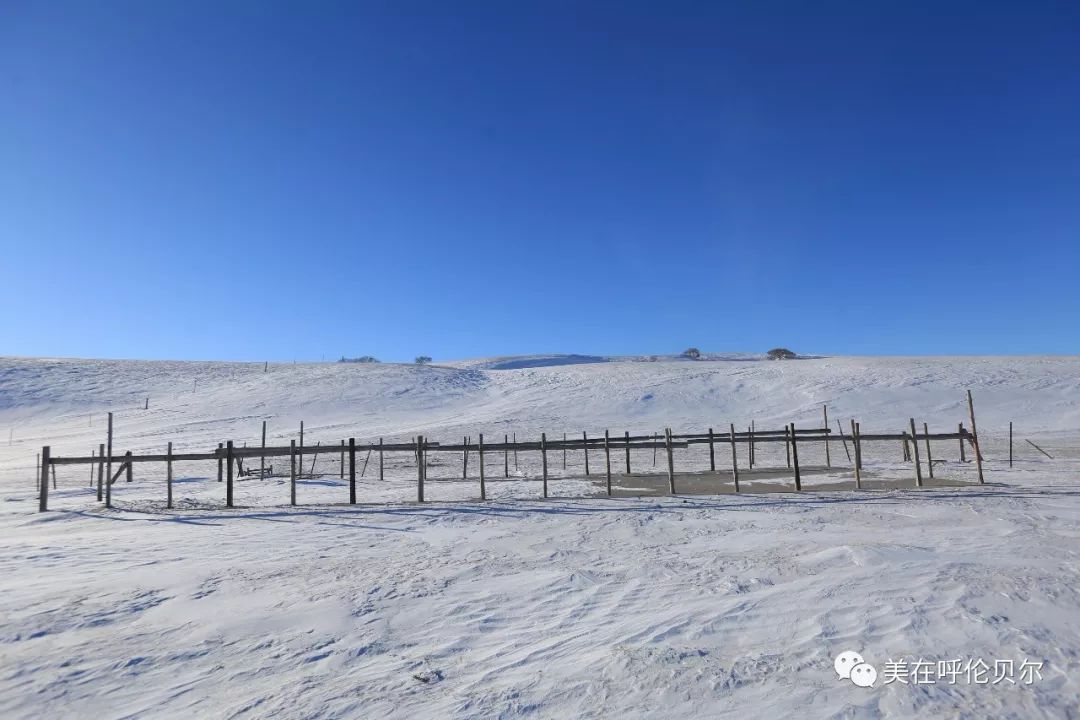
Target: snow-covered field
{"points": [[694, 606]]}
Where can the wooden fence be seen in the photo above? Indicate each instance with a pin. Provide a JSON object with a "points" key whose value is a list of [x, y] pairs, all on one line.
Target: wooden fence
{"points": [[229, 458]]}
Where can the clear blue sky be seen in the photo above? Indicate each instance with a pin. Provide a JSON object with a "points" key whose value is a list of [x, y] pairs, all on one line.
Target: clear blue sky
{"points": [[260, 180]]}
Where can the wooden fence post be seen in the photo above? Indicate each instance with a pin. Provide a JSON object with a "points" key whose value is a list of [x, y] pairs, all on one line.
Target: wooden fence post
{"points": [[828, 458], [961, 431], [1010, 444], [109, 449], [219, 467], [480, 454], [585, 442], [465, 457], [341, 462], [168, 475], [229, 474], [352, 471], [858, 459], [734, 459], [543, 458], [300, 452], [564, 451], [93, 454], [795, 458], [129, 466], [292, 472], [108, 491], [670, 461], [929, 457], [100, 468], [975, 438], [43, 485], [262, 458], [787, 447], [513, 439], [420, 468], [607, 459], [380, 459], [506, 456], [627, 435], [712, 455], [655, 443], [843, 438], [915, 453], [750, 429]]}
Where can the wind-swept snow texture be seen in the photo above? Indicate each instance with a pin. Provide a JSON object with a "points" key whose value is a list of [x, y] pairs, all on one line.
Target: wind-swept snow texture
{"points": [[695, 606]]}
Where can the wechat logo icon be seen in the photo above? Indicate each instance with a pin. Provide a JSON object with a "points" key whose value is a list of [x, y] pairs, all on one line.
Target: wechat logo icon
{"points": [[851, 666]]}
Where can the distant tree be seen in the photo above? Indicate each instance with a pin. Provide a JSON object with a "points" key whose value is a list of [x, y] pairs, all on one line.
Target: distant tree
{"points": [[361, 359], [422, 359], [781, 354], [692, 353]]}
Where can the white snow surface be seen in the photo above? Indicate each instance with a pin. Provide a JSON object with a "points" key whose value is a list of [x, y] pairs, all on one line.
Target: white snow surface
{"points": [[572, 606]]}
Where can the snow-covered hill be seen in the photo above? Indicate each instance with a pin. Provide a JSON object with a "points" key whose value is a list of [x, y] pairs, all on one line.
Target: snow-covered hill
{"points": [[700, 605]]}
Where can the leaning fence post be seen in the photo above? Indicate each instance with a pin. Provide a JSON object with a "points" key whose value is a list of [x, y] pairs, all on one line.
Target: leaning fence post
{"points": [[168, 475], [929, 457], [795, 458], [670, 461], [843, 438], [607, 460], [480, 453], [352, 471], [229, 474], [543, 458], [734, 459], [975, 438], [292, 472], [915, 453], [43, 486]]}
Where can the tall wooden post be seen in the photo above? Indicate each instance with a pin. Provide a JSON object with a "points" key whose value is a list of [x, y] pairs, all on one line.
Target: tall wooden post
{"points": [[843, 439], [129, 466], [229, 474], [419, 468], [300, 452], [712, 455], [513, 439], [352, 471], [262, 458], [787, 447], [380, 459], [564, 451], [1010, 444], [734, 459], [915, 453], [108, 449], [929, 457], [585, 442], [670, 461], [43, 485], [480, 453], [465, 457], [858, 459], [961, 431], [607, 459], [93, 454], [750, 429], [108, 491], [795, 457], [975, 438], [168, 476], [100, 468], [825, 412], [219, 468], [543, 459], [292, 472], [654, 444], [506, 456], [341, 462], [627, 435]]}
